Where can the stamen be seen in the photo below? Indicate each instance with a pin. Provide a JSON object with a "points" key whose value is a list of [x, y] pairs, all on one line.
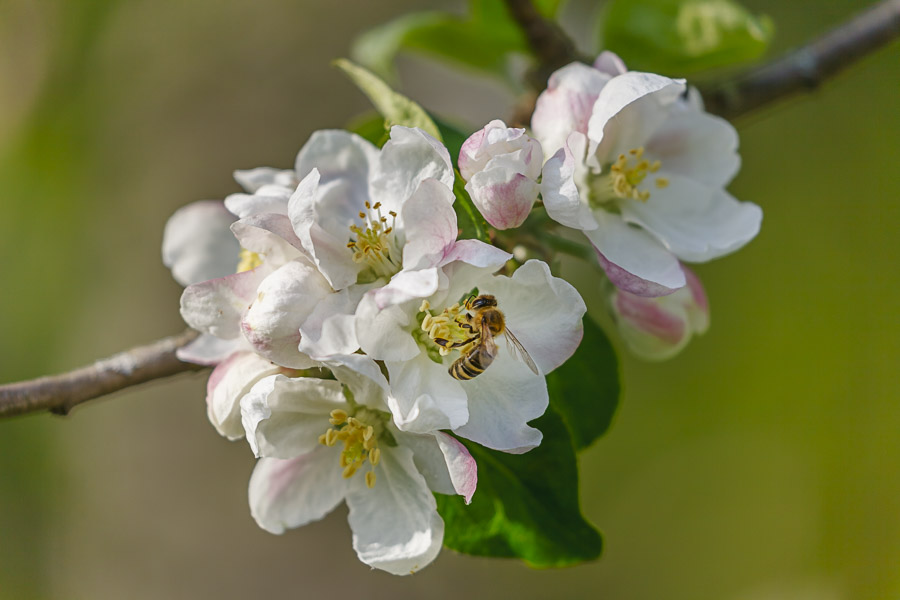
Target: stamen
{"points": [[248, 260], [370, 479], [359, 434], [626, 174], [373, 244]]}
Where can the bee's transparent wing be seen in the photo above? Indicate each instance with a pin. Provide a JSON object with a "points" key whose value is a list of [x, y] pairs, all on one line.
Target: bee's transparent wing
{"points": [[487, 338], [517, 350]]}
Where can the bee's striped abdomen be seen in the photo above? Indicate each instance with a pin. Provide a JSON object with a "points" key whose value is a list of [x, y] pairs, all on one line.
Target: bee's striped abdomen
{"points": [[471, 365]]}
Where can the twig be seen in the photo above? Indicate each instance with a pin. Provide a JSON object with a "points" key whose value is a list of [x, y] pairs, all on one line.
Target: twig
{"points": [[551, 46], [809, 66], [60, 393]]}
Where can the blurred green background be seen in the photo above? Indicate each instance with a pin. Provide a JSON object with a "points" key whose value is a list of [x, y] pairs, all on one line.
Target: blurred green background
{"points": [[762, 464]]}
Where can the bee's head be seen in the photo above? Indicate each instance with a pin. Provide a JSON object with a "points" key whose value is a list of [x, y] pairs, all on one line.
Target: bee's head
{"points": [[483, 301]]}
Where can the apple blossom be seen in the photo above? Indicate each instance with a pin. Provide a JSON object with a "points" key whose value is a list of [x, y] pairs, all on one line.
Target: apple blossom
{"points": [[641, 171], [659, 328], [493, 408], [315, 438], [501, 166]]}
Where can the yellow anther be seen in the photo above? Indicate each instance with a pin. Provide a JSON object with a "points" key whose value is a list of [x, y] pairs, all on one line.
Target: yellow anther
{"points": [[323, 438], [662, 182], [626, 174], [331, 437], [375, 456], [362, 215], [248, 260], [338, 416], [370, 479], [375, 207], [350, 470], [359, 435], [370, 431], [424, 306]]}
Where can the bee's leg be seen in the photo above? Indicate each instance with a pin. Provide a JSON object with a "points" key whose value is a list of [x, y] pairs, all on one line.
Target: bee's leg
{"points": [[446, 344]]}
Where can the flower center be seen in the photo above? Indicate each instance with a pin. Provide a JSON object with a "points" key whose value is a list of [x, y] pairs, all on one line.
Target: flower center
{"points": [[359, 434], [450, 330], [248, 260], [625, 175], [376, 246]]}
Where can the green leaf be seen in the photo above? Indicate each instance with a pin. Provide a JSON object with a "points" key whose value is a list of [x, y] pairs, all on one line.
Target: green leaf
{"points": [[526, 505], [679, 37], [483, 39], [585, 390], [371, 127], [453, 137], [469, 220], [396, 108]]}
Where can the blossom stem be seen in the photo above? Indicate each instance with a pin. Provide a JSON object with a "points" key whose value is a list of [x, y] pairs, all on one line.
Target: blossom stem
{"points": [[806, 68], [60, 393]]}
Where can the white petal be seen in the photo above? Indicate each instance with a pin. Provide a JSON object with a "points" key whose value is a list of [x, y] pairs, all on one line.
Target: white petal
{"points": [[610, 63], [267, 199], [338, 154], [565, 106], [209, 350], [478, 254], [697, 145], [408, 158], [227, 384], [330, 328], [542, 311], [321, 216], [216, 306], [363, 377], [384, 333], [633, 259], [269, 235], [559, 187], [695, 222], [652, 328], [424, 397], [253, 179], [429, 223], [283, 417], [497, 140], [629, 108], [197, 244], [405, 286], [501, 402], [444, 462], [289, 493], [396, 527], [283, 302]]}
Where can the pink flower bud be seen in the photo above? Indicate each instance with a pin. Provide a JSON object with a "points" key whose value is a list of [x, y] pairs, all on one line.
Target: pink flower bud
{"points": [[659, 328], [501, 166]]}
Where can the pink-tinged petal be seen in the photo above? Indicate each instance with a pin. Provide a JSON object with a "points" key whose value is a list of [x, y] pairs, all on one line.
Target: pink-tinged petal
{"points": [[565, 106], [694, 222], [559, 187], [610, 63], [209, 350], [470, 159], [502, 401], [216, 307], [283, 417], [227, 384], [460, 464], [267, 199], [504, 197], [628, 109], [408, 158], [445, 463], [698, 305], [405, 286], [429, 223], [383, 334], [321, 217], [650, 316], [269, 235], [633, 259], [478, 254], [289, 493], [396, 526], [542, 311], [696, 145], [197, 244], [424, 397], [253, 179], [283, 302], [497, 141]]}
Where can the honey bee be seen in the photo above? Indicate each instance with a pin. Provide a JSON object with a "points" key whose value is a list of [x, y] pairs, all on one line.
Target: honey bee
{"points": [[486, 322]]}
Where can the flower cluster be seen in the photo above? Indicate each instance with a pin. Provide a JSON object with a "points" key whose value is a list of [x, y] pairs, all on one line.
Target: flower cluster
{"points": [[357, 339]]}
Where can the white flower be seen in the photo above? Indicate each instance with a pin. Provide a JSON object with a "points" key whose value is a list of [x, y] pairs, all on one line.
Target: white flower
{"points": [[320, 445], [501, 165], [659, 328], [197, 244], [641, 172], [493, 408]]}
